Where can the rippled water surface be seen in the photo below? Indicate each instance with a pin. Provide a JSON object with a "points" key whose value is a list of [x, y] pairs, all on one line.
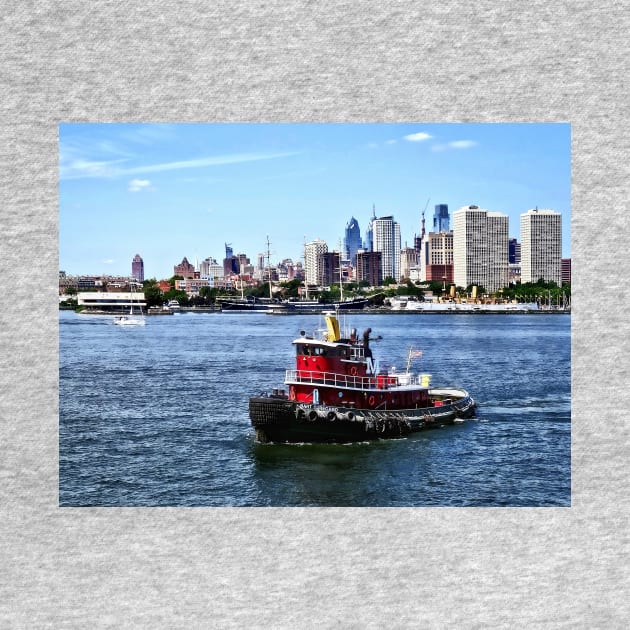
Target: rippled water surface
{"points": [[157, 415]]}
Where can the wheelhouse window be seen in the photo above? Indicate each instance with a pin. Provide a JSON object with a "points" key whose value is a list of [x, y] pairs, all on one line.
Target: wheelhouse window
{"points": [[308, 350]]}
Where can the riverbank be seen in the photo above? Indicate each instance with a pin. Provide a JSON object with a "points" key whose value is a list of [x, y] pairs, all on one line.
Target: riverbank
{"points": [[382, 310]]}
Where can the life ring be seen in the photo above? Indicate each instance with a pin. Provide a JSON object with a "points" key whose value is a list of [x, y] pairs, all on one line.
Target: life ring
{"points": [[291, 393], [353, 371], [371, 401]]}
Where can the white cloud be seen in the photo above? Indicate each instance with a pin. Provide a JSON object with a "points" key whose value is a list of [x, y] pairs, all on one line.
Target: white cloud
{"points": [[455, 144], [136, 185], [108, 261], [462, 144], [418, 137], [86, 168], [391, 142], [83, 168]]}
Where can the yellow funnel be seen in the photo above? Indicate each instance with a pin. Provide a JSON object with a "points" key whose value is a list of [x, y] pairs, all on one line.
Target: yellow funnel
{"points": [[333, 328]]}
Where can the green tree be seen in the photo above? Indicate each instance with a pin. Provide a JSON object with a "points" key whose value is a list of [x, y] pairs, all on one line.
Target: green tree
{"points": [[171, 280], [291, 288], [208, 295], [152, 293]]}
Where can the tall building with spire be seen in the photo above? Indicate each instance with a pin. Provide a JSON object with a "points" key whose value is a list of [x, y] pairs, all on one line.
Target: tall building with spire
{"points": [[352, 241], [137, 268], [368, 244]]}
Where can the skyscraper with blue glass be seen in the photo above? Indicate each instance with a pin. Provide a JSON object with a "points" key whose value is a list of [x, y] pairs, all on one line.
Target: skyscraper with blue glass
{"points": [[441, 218], [352, 241]]}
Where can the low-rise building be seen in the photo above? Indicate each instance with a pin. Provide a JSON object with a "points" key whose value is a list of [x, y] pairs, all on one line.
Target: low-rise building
{"points": [[110, 302]]}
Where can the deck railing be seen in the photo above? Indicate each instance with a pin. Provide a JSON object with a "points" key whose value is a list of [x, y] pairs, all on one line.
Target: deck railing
{"points": [[347, 381]]}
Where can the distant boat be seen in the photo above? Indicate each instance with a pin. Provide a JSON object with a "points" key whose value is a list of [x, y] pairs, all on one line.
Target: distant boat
{"points": [[313, 306], [249, 303], [411, 304], [174, 305], [133, 319]]}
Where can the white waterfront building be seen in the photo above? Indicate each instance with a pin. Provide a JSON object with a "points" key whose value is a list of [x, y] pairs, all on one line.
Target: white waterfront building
{"points": [[541, 246], [480, 248], [102, 301]]}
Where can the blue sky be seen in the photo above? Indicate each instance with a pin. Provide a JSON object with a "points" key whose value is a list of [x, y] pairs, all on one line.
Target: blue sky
{"points": [[167, 191]]}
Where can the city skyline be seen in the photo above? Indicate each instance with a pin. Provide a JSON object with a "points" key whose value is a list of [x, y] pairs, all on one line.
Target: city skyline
{"points": [[169, 191]]}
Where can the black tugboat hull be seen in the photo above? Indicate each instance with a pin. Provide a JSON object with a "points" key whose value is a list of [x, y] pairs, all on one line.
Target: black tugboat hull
{"points": [[278, 419]]}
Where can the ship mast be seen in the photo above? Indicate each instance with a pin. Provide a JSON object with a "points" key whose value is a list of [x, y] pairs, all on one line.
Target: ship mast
{"points": [[269, 267], [340, 273], [305, 279]]}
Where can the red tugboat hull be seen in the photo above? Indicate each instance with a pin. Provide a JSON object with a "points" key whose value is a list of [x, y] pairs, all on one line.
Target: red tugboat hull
{"points": [[278, 419]]}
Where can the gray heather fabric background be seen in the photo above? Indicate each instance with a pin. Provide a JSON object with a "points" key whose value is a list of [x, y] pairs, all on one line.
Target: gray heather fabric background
{"points": [[307, 61]]}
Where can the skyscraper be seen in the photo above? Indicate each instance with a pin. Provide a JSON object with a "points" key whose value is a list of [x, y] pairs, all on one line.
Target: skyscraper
{"points": [[230, 262], [480, 248], [369, 240], [541, 246], [312, 260], [352, 241], [137, 268], [514, 252], [441, 218], [369, 268], [386, 239], [329, 268]]}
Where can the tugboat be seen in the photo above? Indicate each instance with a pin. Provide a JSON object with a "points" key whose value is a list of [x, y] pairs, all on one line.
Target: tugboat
{"points": [[337, 393]]}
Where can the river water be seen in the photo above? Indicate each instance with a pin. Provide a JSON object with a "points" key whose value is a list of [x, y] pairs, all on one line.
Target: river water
{"points": [[157, 415]]}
